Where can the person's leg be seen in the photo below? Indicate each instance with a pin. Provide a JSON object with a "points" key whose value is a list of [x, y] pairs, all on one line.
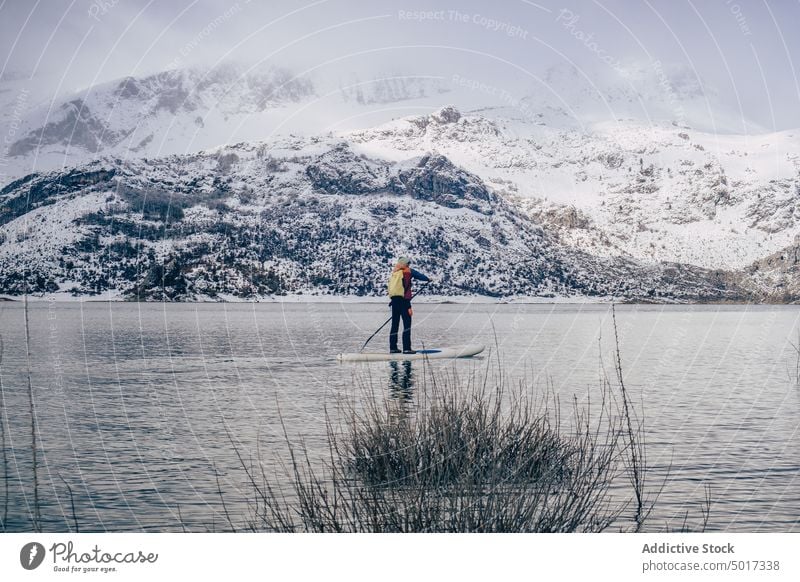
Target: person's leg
{"points": [[406, 326], [397, 310]]}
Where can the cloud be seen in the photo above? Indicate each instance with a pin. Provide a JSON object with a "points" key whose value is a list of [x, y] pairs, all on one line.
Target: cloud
{"points": [[744, 50]]}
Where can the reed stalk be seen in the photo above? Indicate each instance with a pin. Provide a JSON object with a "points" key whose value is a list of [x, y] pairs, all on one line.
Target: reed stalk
{"points": [[471, 456]]}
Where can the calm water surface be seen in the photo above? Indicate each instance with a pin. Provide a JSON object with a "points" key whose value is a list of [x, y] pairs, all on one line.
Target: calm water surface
{"points": [[139, 406]]}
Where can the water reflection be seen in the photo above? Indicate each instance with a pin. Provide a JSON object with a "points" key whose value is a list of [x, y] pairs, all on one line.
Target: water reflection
{"points": [[134, 401], [401, 380]]}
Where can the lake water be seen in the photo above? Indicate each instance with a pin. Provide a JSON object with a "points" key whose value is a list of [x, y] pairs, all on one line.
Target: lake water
{"points": [[138, 406]]}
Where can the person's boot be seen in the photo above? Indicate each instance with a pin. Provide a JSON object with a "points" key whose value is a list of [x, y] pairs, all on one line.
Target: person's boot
{"points": [[394, 351], [409, 351]]}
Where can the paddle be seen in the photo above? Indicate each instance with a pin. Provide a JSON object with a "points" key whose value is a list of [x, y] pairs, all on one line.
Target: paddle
{"points": [[425, 284]]}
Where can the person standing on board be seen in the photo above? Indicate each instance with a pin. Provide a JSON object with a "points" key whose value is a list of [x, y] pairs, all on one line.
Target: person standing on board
{"points": [[400, 301]]}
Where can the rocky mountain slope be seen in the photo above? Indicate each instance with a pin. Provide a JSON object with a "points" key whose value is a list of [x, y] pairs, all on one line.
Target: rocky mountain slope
{"points": [[304, 218], [654, 193]]}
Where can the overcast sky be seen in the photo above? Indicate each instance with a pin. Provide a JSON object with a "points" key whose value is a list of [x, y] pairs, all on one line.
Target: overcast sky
{"points": [[743, 48]]}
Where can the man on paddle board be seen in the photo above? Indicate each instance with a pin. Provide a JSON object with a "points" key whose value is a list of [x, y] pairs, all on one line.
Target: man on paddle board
{"points": [[400, 301]]}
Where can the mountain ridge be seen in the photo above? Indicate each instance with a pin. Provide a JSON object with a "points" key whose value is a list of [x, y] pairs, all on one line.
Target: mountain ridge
{"points": [[243, 224], [647, 211]]}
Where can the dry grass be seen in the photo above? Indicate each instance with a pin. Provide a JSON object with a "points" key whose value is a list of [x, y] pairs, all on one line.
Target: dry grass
{"points": [[3, 526], [794, 374], [37, 517], [471, 456]]}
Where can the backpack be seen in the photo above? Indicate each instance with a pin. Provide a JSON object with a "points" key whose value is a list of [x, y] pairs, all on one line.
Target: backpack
{"points": [[395, 285]]}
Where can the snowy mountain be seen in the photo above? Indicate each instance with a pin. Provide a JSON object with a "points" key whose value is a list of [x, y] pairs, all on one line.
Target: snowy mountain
{"points": [[576, 189], [312, 217], [653, 193], [655, 94], [778, 275], [392, 89], [171, 112], [190, 110]]}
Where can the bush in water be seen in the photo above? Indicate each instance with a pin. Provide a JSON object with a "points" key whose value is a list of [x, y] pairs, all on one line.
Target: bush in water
{"points": [[468, 457]]}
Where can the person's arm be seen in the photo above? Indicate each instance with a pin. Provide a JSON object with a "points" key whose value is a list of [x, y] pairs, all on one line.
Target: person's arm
{"points": [[419, 276]]}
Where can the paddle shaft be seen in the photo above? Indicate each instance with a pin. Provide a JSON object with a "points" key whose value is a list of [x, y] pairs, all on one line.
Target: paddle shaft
{"points": [[390, 319]]}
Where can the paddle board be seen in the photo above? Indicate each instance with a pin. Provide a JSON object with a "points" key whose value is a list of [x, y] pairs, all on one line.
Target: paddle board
{"points": [[429, 354]]}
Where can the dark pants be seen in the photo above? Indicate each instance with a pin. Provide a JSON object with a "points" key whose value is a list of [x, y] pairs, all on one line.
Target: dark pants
{"points": [[400, 307]]}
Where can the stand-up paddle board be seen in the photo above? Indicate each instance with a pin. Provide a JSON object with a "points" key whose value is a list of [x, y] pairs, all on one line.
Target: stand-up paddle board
{"points": [[429, 354]]}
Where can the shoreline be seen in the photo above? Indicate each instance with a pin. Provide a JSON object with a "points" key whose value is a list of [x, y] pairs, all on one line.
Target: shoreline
{"points": [[358, 299]]}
